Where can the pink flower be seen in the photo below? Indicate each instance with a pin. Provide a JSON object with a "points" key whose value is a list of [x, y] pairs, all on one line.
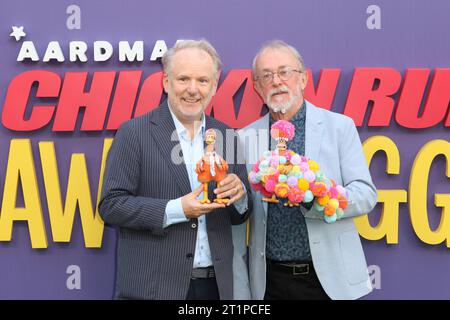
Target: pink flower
{"points": [[304, 166], [274, 161], [334, 193], [282, 129], [292, 181], [296, 195], [296, 160], [270, 184], [341, 190], [309, 176]]}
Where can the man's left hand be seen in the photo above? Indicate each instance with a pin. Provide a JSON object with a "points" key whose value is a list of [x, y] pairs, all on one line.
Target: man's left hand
{"points": [[231, 187]]}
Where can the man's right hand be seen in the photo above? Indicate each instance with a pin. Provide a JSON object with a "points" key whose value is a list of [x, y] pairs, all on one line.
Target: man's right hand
{"points": [[192, 207]]}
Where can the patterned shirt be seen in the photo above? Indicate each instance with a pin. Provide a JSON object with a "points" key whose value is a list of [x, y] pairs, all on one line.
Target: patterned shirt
{"points": [[287, 234]]}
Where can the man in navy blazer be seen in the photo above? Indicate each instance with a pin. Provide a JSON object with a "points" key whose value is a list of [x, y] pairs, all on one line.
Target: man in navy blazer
{"points": [[171, 246], [293, 253]]}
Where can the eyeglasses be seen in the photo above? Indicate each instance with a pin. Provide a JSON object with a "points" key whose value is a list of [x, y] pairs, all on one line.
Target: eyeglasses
{"points": [[283, 74]]}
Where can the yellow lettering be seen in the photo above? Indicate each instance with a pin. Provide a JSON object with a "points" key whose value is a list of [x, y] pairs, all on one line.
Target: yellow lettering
{"points": [[391, 199], [388, 224], [418, 186], [78, 192], [21, 166]]}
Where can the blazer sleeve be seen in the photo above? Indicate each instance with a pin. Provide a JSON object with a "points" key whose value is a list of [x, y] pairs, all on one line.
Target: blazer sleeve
{"points": [[361, 192], [241, 171], [120, 204]]}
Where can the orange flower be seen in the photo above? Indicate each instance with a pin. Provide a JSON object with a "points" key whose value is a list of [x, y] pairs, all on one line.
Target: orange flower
{"points": [[282, 190]]}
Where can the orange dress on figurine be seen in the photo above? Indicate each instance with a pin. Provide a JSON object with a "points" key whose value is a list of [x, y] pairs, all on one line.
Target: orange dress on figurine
{"points": [[211, 167]]}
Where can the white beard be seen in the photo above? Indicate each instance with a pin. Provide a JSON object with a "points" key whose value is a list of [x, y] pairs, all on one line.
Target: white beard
{"points": [[280, 107], [283, 107]]}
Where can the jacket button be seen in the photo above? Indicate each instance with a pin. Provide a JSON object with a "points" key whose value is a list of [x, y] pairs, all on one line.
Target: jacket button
{"points": [[194, 225], [189, 255]]}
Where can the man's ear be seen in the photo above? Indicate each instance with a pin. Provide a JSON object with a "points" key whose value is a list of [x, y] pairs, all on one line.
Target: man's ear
{"points": [[165, 81], [304, 77], [258, 89], [215, 86], [216, 83]]}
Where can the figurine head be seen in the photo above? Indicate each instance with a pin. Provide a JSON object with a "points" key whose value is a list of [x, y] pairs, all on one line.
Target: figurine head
{"points": [[210, 136], [282, 131], [281, 145]]}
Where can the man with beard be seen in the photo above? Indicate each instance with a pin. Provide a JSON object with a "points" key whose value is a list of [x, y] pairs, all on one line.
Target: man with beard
{"points": [[293, 253], [171, 246]]}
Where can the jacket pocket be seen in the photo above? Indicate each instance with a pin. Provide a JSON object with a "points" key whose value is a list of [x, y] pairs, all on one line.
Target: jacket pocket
{"points": [[353, 257]]}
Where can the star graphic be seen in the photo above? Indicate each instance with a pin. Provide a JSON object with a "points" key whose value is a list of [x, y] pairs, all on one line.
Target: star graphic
{"points": [[17, 33]]}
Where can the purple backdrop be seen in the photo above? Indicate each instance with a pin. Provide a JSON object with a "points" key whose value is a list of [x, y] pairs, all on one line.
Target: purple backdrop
{"points": [[329, 34]]}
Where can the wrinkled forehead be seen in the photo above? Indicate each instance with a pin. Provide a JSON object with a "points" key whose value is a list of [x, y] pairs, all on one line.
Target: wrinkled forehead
{"points": [[276, 58], [192, 59]]}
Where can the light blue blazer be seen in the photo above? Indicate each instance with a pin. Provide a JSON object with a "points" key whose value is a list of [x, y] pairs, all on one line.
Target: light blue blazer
{"points": [[333, 142]]}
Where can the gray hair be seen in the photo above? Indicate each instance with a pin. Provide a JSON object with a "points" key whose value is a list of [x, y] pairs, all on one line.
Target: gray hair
{"points": [[278, 44], [201, 44]]}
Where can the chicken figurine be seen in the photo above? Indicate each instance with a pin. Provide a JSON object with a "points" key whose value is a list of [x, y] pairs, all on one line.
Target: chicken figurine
{"points": [[284, 174], [281, 132], [211, 167]]}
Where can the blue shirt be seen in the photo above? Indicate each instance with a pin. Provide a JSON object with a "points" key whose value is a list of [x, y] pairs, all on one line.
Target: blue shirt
{"points": [[193, 150]]}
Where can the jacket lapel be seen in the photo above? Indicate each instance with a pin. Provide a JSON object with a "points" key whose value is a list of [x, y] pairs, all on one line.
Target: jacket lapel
{"points": [[167, 140], [313, 132], [264, 144]]}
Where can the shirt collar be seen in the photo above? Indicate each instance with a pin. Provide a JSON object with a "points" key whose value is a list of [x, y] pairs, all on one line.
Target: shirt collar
{"points": [[301, 114], [181, 129]]}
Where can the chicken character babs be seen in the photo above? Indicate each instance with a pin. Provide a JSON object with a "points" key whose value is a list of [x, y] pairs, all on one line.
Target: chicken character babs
{"points": [[211, 167]]}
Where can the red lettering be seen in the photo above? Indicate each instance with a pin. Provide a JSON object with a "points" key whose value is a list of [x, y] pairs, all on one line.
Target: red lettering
{"points": [[236, 103], [363, 90], [222, 105], [73, 97], [150, 95], [323, 95], [16, 101], [436, 103], [124, 98]]}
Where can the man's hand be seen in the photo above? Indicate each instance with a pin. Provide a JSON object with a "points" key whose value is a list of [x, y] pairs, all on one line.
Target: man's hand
{"points": [[193, 208], [231, 187]]}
